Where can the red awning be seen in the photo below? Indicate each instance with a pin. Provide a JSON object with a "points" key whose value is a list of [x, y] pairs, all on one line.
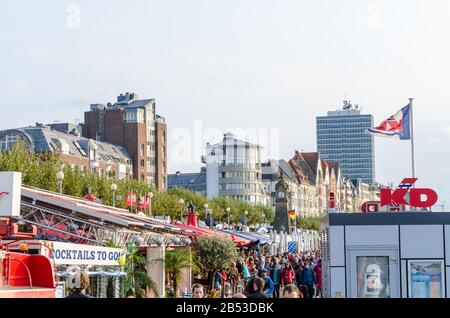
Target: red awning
{"points": [[206, 231]]}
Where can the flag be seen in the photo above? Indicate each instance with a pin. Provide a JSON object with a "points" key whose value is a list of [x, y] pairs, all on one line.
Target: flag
{"points": [[292, 247], [131, 199], [397, 126], [145, 202]]}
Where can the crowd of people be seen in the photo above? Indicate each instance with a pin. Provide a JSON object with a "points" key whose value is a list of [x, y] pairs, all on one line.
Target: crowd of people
{"points": [[258, 275]]}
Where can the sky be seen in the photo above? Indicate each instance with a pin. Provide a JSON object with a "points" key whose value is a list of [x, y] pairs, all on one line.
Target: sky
{"points": [[262, 68]]}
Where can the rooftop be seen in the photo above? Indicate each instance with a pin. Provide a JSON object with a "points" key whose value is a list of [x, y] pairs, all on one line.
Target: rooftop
{"points": [[42, 138]]}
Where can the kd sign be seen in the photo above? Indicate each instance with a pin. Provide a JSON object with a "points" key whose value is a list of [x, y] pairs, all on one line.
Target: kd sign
{"points": [[418, 197]]}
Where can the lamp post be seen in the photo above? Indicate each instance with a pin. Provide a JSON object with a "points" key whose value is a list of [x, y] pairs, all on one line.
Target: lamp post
{"points": [[245, 219], [264, 219], [150, 196], [206, 206], [181, 203], [114, 189], [60, 177], [108, 168], [228, 213]]}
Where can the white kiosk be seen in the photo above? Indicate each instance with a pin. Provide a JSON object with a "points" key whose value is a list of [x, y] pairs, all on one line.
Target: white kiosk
{"points": [[386, 255]]}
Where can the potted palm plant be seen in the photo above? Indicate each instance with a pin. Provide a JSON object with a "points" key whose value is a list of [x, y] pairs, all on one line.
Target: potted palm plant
{"points": [[175, 261]]}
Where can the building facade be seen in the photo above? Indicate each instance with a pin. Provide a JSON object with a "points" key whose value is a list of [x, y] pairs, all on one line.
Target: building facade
{"points": [[233, 169], [88, 155], [313, 182], [342, 137], [133, 124], [195, 182]]}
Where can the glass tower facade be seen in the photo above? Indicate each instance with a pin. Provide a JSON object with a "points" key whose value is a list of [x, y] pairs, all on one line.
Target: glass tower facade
{"points": [[342, 137]]}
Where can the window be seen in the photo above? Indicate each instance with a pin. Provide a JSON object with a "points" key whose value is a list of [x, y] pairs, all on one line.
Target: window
{"points": [[164, 136], [142, 163], [163, 151], [142, 177], [81, 150], [142, 150]]}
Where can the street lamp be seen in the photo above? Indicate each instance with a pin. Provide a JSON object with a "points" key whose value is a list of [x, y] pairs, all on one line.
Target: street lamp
{"points": [[60, 177], [206, 206], [150, 196], [228, 213], [264, 218], [108, 168], [181, 203], [245, 219], [114, 189]]}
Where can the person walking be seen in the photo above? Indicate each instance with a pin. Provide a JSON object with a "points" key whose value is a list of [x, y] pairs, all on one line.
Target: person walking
{"points": [[197, 291], [258, 286], [275, 275], [217, 279], [78, 284], [298, 275], [291, 291], [308, 279], [287, 275], [318, 274], [268, 284]]}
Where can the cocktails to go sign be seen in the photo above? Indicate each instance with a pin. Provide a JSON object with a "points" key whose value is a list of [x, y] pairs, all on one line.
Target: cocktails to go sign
{"points": [[292, 214], [80, 254]]}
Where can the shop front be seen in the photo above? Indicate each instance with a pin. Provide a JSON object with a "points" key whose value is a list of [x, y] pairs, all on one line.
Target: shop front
{"points": [[386, 255]]}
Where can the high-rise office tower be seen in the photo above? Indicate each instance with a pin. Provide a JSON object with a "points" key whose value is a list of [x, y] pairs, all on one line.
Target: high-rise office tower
{"points": [[342, 137]]}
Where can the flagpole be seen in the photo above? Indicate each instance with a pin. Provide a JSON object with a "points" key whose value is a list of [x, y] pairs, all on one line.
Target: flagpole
{"points": [[413, 165]]}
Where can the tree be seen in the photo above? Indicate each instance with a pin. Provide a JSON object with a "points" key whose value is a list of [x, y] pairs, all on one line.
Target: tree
{"points": [[215, 252], [309, 223], [136, 279], [175, 261]]}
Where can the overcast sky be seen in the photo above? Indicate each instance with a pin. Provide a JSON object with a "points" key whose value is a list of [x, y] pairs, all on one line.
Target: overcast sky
{"points": [[230, 64]]}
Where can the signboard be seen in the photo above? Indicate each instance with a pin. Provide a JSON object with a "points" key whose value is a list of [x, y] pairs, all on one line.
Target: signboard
{"points": [[426, 278], [2, 254], [418, 197], [80, 254]]}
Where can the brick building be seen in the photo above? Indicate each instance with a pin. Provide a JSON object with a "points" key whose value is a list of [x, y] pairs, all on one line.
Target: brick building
{"points": [[133, 124]]}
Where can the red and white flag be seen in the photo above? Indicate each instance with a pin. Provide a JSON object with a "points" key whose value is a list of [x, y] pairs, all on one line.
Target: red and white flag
{"points": [[131, 199]]}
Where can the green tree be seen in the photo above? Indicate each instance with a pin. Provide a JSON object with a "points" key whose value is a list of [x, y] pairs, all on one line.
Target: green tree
{"points": [[175, 261], [136, 279], [308, 223], [215, 252]]}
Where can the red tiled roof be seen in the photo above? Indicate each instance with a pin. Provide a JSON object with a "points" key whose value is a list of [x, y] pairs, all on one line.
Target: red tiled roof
{"points": [[311, 159], [301, 175], [324, 165]]}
